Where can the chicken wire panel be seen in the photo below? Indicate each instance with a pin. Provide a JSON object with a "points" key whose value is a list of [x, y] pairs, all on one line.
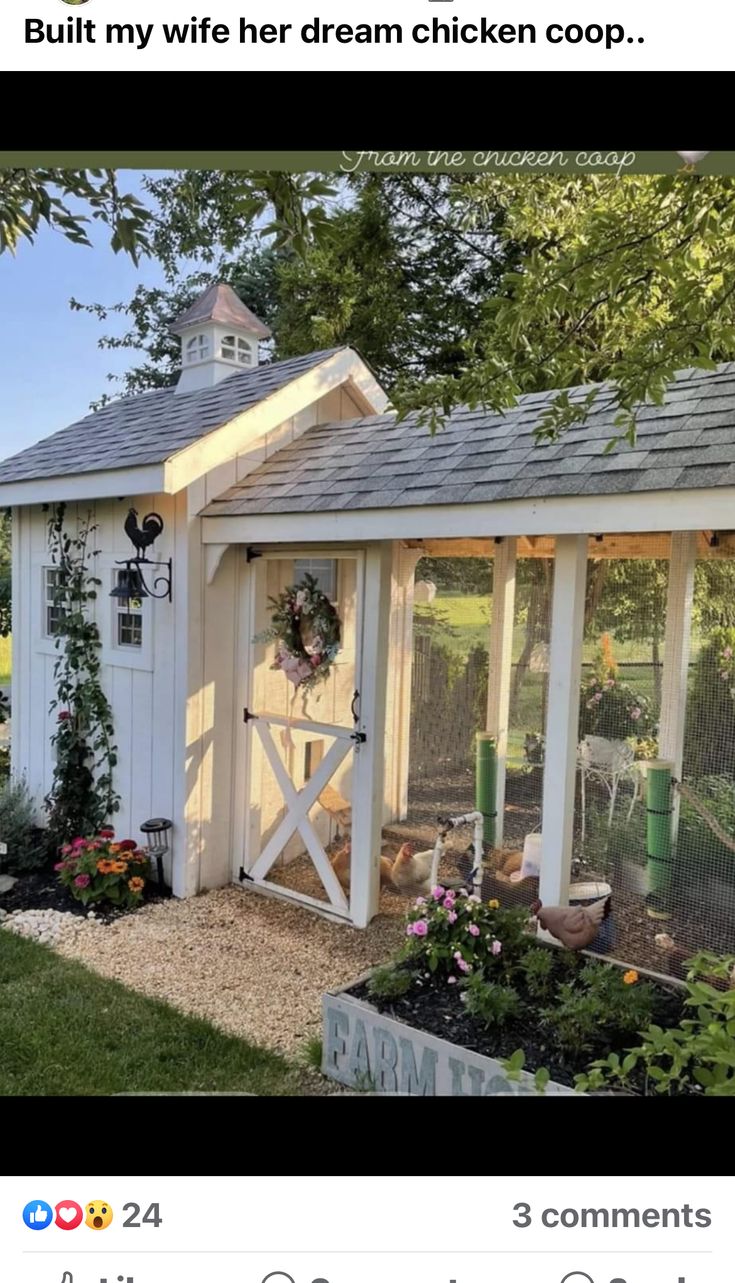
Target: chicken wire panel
{"points": [[662, 912], [452, 629]]}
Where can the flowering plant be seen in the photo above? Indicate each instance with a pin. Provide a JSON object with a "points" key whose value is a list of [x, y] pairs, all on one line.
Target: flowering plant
{"points": [[726, 668], [611, 708], [454, 933], [99, 868], [307, 632]]}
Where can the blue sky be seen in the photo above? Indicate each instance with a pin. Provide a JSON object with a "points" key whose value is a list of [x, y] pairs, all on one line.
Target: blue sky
{"points": [[50, 364]]}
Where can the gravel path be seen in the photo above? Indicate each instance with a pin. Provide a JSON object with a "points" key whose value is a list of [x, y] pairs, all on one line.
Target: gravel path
{"points": [[251, 965]]}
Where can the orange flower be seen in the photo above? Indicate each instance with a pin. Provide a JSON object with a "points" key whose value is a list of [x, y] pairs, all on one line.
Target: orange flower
{"points": [[105, 866], [136, 885], [118, 866], [630, 978]]}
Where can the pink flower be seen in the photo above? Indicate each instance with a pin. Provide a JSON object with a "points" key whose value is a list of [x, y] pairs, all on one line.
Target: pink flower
{"points": [[452, 980], [473, 929], [597, 697], [409, 929], [496, 948], [448, 902], [635, 713], [727, 652], [463, 966], [65, 849], [78, 842], [421, 927], [420, 899], [82, 880], [451, 916], [438, 892], [64, 715], [60, 865], [456, 955]]}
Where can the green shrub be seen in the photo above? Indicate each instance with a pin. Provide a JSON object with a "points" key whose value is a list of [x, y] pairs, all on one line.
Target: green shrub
{"points": [[537, 966], [709, 747], [488, 1002], [696, 843], [100, 869], [18, 829], [699, 1053], [389, 982], [603, 1005]]}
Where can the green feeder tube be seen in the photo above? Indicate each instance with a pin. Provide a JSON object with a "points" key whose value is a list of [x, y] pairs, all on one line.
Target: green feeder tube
{"points": [[658, 838], [486, 776]]}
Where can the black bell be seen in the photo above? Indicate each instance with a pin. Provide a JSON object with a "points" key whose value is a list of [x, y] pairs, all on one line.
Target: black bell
{"points": [[129, 585]]}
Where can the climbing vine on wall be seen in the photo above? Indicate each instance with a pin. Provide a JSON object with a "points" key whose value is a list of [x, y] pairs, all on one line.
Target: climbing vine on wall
{"points": [[82, 796]]}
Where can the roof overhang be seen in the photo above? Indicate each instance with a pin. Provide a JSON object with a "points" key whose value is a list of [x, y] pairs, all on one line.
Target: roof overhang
{"points": [[661, 510], [239, 435]]}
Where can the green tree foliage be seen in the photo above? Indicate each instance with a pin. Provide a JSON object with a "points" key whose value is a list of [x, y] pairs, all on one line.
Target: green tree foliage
{"points": [[68, 200]]}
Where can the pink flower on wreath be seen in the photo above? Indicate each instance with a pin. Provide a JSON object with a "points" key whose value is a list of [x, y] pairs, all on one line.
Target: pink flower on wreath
{"points": [[496, 948], [635, 713], [473, 929], [82, 880], [421, 927], [438, 892], [451, 916]]}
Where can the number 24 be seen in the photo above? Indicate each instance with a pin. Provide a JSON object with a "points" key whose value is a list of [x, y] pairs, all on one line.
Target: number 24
{"points": [[151, 1217]]}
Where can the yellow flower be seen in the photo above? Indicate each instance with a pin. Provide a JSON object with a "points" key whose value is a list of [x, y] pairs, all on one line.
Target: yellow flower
{"points": [[630, 978], [136, 885], [493, 904], [118, 866]]}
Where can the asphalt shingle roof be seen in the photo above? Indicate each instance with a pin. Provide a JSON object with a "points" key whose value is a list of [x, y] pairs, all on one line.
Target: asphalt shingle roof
{"points": [[687, 442], [153, 426]]}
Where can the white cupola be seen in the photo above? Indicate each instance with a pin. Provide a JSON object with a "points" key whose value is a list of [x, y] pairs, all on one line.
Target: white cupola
{"points": [[219, 336]]}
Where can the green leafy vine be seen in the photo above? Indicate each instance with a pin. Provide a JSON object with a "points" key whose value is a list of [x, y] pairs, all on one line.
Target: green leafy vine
{"points": [[82, 795]]}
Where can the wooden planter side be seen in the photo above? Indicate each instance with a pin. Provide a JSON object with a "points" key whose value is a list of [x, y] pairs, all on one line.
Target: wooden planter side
{"points": [[375, 1053]]}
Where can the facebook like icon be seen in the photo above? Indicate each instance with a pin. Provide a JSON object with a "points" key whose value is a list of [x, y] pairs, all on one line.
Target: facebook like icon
{"points": [[37, 1215]]}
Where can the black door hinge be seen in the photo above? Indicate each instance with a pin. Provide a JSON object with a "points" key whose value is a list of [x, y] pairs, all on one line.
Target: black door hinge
{"points": [[247, 716], [244, 876], [251, 554], [359, 736]]}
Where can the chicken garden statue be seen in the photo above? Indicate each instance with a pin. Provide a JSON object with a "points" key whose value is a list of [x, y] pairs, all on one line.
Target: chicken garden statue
{"points": [[574, 926]]}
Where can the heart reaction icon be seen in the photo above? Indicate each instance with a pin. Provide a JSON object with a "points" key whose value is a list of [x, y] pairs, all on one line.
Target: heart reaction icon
{"points": [[68, 1215]]}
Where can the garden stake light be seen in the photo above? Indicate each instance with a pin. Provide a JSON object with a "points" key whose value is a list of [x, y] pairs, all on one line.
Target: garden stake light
{"points": [[156, 831], [486, 770], [658, 838]]}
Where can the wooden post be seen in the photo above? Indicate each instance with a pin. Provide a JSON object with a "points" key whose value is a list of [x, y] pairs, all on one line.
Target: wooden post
{"points": [[400, 673], [562, 718], [500, 653], [367, 790], [677, 646]]}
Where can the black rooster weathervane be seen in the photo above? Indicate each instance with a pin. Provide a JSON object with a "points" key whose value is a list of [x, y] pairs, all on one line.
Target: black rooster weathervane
{"points": [[131, 582]]}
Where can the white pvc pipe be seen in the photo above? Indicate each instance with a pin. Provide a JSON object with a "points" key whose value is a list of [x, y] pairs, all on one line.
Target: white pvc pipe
{"points": [[454, 822]]}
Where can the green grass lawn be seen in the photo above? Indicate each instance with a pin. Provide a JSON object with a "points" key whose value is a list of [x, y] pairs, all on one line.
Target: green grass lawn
{"points": [[66, 1031], [5, 651]]}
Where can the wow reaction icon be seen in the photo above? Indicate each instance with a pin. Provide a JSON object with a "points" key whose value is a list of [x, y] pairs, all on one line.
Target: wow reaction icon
{"points": [[99, 1215]]}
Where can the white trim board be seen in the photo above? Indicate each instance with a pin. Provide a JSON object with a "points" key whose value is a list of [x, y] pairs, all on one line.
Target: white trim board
{"points": [[644, 512]]}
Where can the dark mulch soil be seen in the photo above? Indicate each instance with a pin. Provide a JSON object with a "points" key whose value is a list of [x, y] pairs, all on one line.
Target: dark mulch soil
{"points": [[41, 890], [437, 1009]]}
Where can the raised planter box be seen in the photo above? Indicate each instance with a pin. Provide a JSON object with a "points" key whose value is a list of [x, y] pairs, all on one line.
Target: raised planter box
{"points": [[375, 1053]]}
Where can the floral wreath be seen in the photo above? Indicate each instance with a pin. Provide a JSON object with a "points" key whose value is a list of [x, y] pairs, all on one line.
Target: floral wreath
{"points": [[307, 630]]}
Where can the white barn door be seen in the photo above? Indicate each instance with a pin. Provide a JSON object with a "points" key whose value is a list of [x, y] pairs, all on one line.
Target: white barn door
{"points": [[300, 745]]}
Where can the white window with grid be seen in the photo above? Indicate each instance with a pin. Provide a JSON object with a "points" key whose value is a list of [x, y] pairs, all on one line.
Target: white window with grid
{"points": [[197, 349], [323, 570], [127, 629], [52, 613], [236, 349]]}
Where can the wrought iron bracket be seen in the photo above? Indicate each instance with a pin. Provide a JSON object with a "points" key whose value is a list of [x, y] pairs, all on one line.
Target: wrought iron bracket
{"points": [[247, 716], [251, 554], [166, 579]]}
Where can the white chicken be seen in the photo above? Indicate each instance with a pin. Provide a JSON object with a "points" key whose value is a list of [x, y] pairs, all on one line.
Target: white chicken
{"points": [[415, 872]]}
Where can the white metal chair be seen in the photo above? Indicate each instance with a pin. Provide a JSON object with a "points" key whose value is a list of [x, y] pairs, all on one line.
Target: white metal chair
{"points": [[609, 762]]}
